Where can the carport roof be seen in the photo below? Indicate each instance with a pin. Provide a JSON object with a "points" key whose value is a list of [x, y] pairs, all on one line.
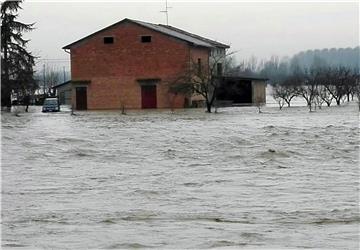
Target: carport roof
{"points": [[239, 77], [61, 84], [72, 82]]}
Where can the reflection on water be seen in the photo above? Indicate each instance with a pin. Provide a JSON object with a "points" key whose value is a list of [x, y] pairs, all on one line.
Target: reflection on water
{"points": [[238, 179]]}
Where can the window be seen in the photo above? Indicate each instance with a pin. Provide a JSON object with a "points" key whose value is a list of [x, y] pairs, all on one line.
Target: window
{"points": [[219, 69], [199, 66], [108, 40], [146, 39]]}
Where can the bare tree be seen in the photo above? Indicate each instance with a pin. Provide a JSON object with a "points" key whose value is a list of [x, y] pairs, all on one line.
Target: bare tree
{"points": [[52, 78], [335, 82], [279, 100], [309, 88], [352, 85], [252, 64], [201, 79], [324, 95], [48, 77], [259, 103], [357, 91], [284, 92]]}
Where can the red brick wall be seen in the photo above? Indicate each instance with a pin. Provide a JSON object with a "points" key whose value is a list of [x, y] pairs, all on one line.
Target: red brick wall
{"points": [[202, 53], [114, 68]]}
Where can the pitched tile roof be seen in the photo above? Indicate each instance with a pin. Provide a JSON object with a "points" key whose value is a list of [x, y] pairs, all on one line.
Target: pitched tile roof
{"points": [[167, 30]]}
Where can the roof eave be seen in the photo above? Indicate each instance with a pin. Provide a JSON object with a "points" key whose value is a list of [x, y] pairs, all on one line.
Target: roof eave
{"points": [[223, 46], [95, 33]]}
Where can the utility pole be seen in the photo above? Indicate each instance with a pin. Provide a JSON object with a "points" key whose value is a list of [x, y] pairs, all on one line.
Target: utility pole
{"points": [[44, 79], [166, 12], [64, 72]]}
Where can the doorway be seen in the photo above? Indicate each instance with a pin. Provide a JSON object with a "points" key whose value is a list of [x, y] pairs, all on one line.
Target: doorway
{"points": [[148, 97], [81, 98]]}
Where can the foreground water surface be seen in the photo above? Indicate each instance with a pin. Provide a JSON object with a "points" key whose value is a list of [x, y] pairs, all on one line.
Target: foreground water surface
{"points": [[236, 179]]}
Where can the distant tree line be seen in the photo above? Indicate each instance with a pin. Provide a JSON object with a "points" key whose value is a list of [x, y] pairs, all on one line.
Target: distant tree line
{"points": [[49, 77], [347, 57], [276, 68]]}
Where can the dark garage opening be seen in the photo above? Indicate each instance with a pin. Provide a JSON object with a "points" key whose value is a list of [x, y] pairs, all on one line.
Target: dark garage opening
{"points": [[237, 91]]}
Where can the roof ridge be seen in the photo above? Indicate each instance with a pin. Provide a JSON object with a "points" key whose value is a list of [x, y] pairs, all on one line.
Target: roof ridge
{"points": [[193, 35], [175, 33]]}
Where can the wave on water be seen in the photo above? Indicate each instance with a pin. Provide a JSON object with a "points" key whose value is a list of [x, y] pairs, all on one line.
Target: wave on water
{"points": [[149, 216], [108, 221], [9, 138], [193, 184], [272, 153], [335, 216], [82, 152], [323, 221], [46, 219], [225, 243], [141, 215], [13, 245], [129, 246], [71, 140], [208, 218]]}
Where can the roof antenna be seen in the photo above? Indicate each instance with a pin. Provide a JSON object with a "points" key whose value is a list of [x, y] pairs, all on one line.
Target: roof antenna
{"points": [[166, 12]]}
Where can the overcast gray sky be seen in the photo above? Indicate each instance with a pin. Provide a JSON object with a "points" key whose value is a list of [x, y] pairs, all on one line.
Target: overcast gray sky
{"points": [[259, 29]]}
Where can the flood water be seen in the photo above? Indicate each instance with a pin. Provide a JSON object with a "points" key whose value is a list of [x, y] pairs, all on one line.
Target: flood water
{"points": [[236, 179]]}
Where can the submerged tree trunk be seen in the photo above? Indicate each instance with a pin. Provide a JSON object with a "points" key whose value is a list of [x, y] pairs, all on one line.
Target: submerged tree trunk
{"points": [[208, 107], [6, 98], [27, 102], [5, 85], [308, 102], [281, 104]]}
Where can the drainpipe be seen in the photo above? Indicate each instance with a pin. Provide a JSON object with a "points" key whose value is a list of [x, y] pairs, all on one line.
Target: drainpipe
{"points": [[72, 90]]}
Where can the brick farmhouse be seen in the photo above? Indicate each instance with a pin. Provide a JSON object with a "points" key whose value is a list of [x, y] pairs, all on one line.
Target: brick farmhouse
{"points": [[130, 64]]}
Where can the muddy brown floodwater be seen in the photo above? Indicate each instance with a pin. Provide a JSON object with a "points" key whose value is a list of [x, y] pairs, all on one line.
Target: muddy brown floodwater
{"points": [[236, 179]]}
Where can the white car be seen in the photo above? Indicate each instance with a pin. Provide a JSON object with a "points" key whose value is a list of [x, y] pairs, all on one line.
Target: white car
{"points": [[51, 105]]}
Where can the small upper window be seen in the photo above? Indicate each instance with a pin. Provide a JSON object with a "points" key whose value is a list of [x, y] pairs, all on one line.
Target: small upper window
{"points": [[108, 40], [219, 69], [199, 66], [146, 39]]}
